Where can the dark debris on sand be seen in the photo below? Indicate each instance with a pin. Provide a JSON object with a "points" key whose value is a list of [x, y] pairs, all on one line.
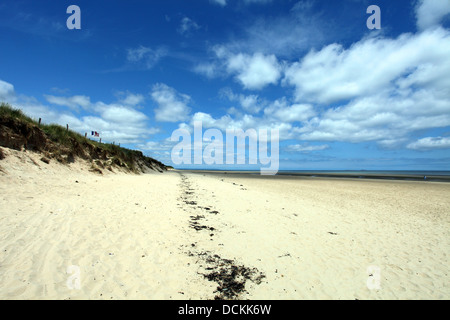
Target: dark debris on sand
{"points": [[231, 278]]}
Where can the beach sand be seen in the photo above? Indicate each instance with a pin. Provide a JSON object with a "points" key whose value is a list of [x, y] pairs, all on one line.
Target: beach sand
{"points": [[67, 233]]}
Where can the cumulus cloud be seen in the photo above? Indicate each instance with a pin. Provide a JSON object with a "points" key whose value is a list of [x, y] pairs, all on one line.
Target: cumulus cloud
{"points": [[244, 122], [249, 103], [254, 71], [382, 118], [429, 13], [281, 110], [172, 105], [131, 99], [117, 113], [382, 89], [430, 143], [115, 121], [114, 112], [334, 73]]}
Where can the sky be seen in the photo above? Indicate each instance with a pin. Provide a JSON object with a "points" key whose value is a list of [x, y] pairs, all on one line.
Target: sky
{"points": [[342, 96]]}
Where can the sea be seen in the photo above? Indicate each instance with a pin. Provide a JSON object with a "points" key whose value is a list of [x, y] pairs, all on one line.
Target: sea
{"points": [[417, 175], [413, 175]]}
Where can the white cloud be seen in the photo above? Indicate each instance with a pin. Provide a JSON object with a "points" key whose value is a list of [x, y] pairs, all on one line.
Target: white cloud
{"points": [[336, 74], [74, 102], [306, 148], [210, 70], [249, 103], [254, 71], [286, 36], [222, 3], [383, 89], [282, 111], [120, 114], [257, 1], [187, 25], [116, 122], [6, 91], [381, 118], [137, 54], [145, 56], [255, 55], [209, 122], [429, 13], [430, 143], [131, 99], [172, 106], [149, 145], [244, 122], [115, 113]]}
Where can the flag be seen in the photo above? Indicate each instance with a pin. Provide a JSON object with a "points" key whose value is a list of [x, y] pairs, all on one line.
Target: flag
{"points": [[95, 134]]}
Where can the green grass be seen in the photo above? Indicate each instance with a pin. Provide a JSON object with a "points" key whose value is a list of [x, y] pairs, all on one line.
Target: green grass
{"points": [[55, 132], [7, 111], [61, 135], [64, 137]]}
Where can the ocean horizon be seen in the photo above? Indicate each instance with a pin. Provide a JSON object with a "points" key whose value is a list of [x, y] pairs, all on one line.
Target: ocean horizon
{"points": [[418, 175], [362, 171]]}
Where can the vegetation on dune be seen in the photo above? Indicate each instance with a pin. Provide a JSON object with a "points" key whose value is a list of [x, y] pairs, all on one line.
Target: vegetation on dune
{"points": [[18, 131]]}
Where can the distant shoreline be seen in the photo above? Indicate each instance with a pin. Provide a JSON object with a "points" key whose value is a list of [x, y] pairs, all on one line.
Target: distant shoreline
{"points": [[434, 176]]}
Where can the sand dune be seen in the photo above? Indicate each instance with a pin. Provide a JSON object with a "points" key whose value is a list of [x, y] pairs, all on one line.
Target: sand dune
{"points": [[177, 236]]}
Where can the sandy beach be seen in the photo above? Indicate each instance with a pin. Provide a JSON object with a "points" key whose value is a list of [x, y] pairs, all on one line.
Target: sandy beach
{"points": [[67, 233]]}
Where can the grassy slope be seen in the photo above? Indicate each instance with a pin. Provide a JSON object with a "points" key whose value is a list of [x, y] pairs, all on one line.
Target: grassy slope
{"points": [[67, 142]]}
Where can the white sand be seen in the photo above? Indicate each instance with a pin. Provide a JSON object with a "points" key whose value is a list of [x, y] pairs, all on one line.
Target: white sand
{"points": [[129, 236], [282, 227], [124, 232]]}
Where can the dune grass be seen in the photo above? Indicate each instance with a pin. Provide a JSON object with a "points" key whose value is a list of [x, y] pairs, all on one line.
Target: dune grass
{"points": [[7, 111], [64, 137], [56, 133]]}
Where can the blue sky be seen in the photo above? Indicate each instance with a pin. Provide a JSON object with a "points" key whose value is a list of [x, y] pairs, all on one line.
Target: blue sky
{"points": [[342, 96]]}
